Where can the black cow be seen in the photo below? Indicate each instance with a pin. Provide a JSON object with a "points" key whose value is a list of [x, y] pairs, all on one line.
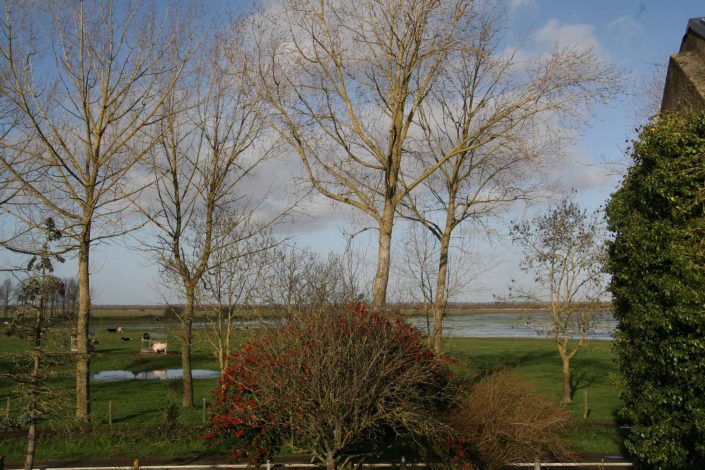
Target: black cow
{"points": [[146, 336], [126, 339], [112, 330]]}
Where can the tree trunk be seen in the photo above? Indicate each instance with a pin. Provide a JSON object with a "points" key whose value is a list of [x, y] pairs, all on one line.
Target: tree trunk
{"points": [[379, 290], [439, 303], [330, 461], [31, 443], [83, 407], [567, 392], [32, 432], [186, 337]]}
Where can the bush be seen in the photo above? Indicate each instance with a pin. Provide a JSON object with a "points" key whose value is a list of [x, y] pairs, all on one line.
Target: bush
{"points": [[341, 386], [657, 263], [502, 420]]}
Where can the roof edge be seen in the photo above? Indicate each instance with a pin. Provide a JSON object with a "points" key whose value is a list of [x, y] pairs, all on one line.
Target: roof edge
{"points": [[697, 26]]}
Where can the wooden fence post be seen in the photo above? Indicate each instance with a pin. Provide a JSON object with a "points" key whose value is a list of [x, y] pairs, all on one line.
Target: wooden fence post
{"points": [[537, 464], [585, 405], [110, 412]]}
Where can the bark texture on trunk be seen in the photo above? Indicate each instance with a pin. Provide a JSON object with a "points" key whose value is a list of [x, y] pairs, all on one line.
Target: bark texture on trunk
{"points": [[83, 407], [379, 290], [31, 442], [567, 391], [330, 462], [186, 337], [439, 303], [34, 398]]}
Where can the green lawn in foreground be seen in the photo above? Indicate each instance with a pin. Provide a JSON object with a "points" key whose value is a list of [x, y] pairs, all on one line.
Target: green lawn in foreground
{"points": [[140, 427]]}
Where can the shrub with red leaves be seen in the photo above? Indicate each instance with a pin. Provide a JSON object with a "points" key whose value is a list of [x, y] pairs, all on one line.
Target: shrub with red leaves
{"points": [[341, 386]]}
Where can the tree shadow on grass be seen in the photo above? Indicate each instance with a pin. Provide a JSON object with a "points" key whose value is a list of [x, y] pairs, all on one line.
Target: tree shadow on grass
{"points": [[524, 359], [581, 379]]}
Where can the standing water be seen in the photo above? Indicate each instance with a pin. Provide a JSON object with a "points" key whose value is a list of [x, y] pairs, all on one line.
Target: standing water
{"points": [[509, 325]]}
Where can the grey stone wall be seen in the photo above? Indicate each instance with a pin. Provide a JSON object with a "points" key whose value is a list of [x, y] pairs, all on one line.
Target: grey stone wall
{"points": [[685, 80]]}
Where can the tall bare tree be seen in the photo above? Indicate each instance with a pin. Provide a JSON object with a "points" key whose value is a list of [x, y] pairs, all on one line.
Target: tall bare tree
{"points": [[5, 295], [208, 149], [564, 251], [344, 82], [86, 108], [229, 287], [490, 124], [70, 297]]}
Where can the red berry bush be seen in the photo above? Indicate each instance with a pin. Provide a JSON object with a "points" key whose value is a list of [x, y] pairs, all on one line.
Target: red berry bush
{"points": [[340, 386]]}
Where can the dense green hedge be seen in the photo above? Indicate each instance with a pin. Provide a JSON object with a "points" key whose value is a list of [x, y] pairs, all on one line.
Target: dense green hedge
{"points": [[657, 260]]}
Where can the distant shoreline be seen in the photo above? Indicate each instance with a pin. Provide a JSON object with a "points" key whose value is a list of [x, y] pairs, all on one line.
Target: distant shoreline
{"points": [[151, 311]]}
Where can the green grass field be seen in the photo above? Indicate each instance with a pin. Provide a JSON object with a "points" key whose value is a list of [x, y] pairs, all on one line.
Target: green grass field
{"points": [[142, 426]]}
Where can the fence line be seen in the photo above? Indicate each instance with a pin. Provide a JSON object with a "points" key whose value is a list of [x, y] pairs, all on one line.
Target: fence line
{"points": [[270, 465]]}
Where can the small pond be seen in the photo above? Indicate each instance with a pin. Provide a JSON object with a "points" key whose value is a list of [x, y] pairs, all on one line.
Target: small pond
{"points": [[163, 374]]}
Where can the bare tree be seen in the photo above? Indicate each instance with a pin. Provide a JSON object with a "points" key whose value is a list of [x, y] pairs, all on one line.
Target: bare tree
{"points": [[648, 93], [344, 82], [86, 109], [229, 286], [490, 123], [300, 280], [208, 149], [6, 289], [70, 297], [564, 251], [417, 268]]}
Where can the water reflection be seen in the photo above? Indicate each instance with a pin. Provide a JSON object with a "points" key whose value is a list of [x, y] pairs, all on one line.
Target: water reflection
{"points": [[163, 374]]}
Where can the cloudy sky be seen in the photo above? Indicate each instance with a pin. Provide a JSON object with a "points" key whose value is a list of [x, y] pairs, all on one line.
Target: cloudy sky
{"points": [[635, 35]]}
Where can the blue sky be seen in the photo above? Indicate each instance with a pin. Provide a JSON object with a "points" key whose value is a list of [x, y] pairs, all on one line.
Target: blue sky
{"points": [[632, 34]]}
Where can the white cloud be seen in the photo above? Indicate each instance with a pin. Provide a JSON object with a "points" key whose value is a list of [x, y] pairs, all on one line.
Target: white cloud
{"points": [[625, 26], [576, 170], [568, 35], [516, 4]]}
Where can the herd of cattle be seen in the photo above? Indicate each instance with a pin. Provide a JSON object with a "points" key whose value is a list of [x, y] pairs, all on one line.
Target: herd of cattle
{"points": [[154, 346]]}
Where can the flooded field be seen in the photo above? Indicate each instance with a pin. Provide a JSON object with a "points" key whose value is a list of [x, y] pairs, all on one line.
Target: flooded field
{"points": [[509, 325], [473, 325]]}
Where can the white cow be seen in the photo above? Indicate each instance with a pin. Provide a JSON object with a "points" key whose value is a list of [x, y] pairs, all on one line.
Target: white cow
{"points": [[158, 347]]}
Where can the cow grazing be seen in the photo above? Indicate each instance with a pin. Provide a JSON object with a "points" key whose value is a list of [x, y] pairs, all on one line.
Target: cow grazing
{"points": [[158, 347], [112, 330], [125, 339], [120, 329]]}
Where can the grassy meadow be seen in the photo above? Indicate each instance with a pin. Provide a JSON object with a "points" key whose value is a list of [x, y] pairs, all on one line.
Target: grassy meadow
{"points": [[147, 419]]}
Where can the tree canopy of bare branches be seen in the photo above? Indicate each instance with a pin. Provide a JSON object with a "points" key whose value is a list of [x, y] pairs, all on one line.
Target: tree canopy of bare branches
{"points": [[491, 123], [208, 147], [85, 104], [564, 249], [344, 82]]}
